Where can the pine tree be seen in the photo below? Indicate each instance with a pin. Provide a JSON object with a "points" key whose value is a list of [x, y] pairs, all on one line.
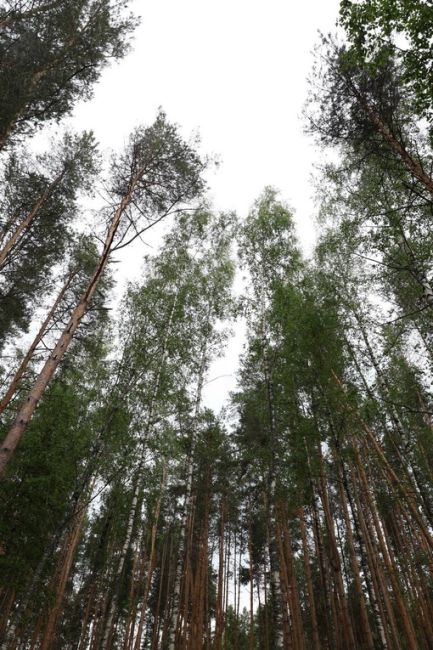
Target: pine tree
{"points": [[51, 54], [39, 208], [157, 172]]}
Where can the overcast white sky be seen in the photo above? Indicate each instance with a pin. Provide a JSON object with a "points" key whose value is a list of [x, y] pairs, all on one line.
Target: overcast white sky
{"points": [[236, 71]]}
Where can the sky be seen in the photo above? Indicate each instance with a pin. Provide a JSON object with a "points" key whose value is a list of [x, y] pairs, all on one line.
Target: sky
{"points": [[235, 71]]}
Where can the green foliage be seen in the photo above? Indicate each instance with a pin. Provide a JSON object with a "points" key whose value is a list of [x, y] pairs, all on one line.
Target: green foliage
{"points": [[55, 180], [51, 55], [377, 29], [236, 634], [43, 477]]}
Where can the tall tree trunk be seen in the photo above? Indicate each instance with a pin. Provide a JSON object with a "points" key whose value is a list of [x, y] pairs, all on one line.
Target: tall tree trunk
{"points": [[331, 625], [388, 560], [61, 577], [392, 476], [334, 558], [309, 583], [361, 607], [28, 408], [411, 164], [16, 380], [29, 218], [188, 504], [251, 636], [295, 605], [277, 597], [151, 561], [219, 609], [382, 605]]}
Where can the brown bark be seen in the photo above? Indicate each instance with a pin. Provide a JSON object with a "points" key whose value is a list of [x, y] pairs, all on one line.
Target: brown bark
{"points": [[411, 164], [220, 587], [309, 582], [16, 380], [151, 561], [297, 622], [403, 437], [66, 560], [395, 482], [364, 622], [331, 627], [389, 562], [198, 625], [175, 619], [289, 632], [31, 216], [385, 614], [347, 630], [28, 408]]}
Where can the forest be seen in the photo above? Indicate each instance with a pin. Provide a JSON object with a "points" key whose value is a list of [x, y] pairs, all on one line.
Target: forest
{"points": [[134, 517]]}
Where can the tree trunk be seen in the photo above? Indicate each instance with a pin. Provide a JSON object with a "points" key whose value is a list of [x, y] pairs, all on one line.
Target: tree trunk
{"points": [[309, 583], [188, 506], [28, 408], [61, 577], [388, 560], [16, 380], [347, 630], [412, 165], [25, 223], [151, 561], [365, 625]]}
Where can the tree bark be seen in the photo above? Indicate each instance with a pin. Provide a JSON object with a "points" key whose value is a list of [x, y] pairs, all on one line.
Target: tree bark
{"points": [[28, 408], [412, 165], [31, 216], [16, 380], [309, 583]]}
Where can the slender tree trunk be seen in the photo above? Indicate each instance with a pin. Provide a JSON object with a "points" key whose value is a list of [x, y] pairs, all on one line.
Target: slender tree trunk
{"points": [[411, 164], [251, 636], [220, 587], [278, 604], [365, 625], [388, 560], [331, 626], [16, 380], [28, 408], [370, 569], [335, 562], [188, 506], [392, 476], [292, 583], [381, 584], [289, 631], [404, 438], [309, 583], [166, 549], [30, 217], [123, 554], [66, 560], [198, 606], [151, 561]]}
